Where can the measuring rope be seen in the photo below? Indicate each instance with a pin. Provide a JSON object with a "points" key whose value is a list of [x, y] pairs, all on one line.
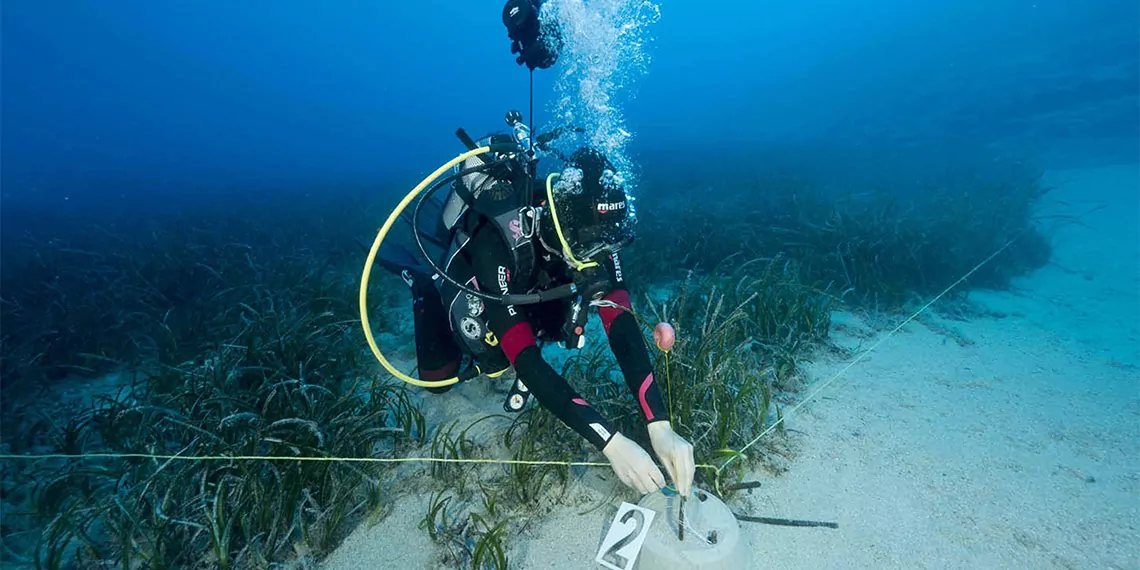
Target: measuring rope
{"points": [[811, 395]]}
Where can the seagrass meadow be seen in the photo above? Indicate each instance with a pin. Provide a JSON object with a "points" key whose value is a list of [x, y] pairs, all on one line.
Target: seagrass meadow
{"points": [[226, 332]]}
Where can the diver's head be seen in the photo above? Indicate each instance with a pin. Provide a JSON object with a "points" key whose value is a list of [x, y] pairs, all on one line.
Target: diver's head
{"points": [[587, 214]]}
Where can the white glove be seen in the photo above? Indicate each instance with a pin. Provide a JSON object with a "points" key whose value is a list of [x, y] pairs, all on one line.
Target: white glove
{"points": [[675, 453], [633, 465]]}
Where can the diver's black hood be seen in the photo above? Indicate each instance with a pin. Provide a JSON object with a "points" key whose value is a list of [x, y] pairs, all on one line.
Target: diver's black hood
{"points": [[602, 201], [592, 212]]}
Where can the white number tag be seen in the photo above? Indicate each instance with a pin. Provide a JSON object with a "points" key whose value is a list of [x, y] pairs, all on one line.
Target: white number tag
{"points": [[623, 541]]}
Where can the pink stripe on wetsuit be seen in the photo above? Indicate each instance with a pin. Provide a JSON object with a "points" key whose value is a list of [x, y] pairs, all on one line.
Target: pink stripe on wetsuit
{"points": [[632, 358]]}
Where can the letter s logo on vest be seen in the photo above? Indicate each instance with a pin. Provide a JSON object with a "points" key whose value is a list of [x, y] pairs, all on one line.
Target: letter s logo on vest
{"points": [[611, 206]]}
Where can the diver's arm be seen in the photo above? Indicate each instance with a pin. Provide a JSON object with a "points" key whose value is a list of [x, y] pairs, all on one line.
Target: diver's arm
{"points": [[675, 452], [552, 391], [493, 268], [629, 347], [629, 461]]}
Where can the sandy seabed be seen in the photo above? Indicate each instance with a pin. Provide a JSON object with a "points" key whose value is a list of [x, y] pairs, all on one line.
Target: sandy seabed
{"points": [[1011, 440]]}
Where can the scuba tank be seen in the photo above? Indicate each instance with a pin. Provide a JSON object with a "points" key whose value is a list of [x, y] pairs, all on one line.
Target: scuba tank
{"points": [[500, 188]]}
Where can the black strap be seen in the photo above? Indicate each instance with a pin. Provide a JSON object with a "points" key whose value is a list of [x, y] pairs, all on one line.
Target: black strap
{"points": [[464, 192]]}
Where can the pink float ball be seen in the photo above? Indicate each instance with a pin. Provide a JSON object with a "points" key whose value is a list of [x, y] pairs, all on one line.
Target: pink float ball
{"points": [[664, 336]]}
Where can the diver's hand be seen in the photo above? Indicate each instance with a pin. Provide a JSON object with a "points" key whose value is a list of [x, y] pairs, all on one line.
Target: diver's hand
{"points": [[675, 453], [633, 465]]}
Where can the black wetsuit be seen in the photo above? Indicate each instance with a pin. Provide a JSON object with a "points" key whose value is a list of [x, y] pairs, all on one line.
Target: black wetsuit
{"points": [[486, 264]]}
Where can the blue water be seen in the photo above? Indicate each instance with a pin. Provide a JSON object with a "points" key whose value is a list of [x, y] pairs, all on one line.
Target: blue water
{"points": [[206, 114], [106, 99]]}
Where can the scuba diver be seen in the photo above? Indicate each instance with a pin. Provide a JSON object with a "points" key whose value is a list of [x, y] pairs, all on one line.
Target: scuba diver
{"points": [[508, 262]]}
